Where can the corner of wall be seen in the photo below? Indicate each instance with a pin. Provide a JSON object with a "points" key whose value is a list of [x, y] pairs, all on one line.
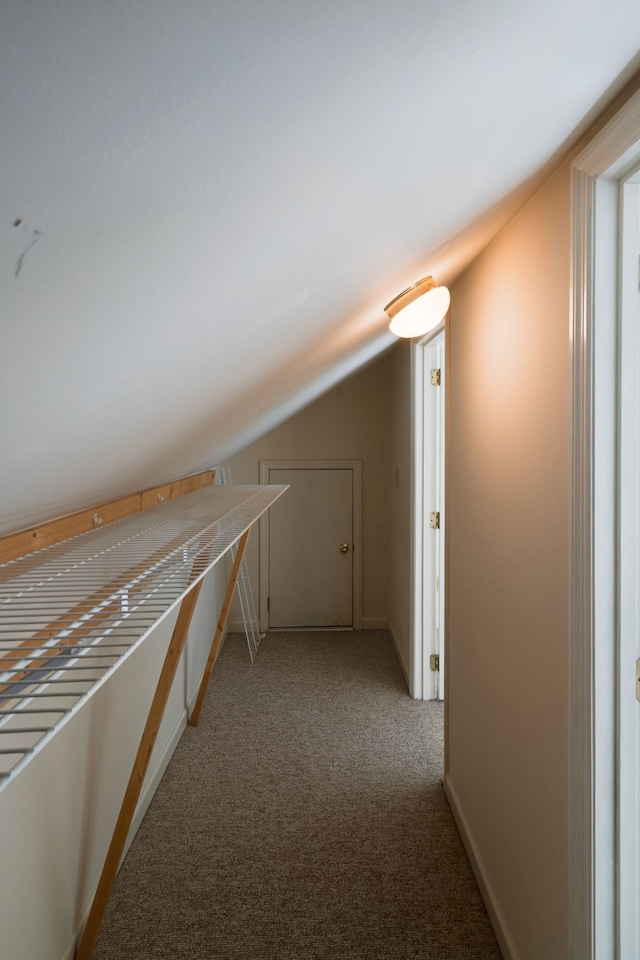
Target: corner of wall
{"points": [[401, 655]]}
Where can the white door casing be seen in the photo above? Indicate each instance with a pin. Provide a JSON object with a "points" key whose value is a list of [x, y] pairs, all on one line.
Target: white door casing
{"points": [[604, 883], [428, 568], [304, 570], [628, 756]]}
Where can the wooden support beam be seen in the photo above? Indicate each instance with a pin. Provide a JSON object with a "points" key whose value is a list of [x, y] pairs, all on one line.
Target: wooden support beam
{"points": [[128, 808], [222, 622], [45, 534]]}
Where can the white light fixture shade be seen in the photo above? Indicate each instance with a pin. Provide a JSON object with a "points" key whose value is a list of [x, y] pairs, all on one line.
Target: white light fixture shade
{"points": [[418, 309]]}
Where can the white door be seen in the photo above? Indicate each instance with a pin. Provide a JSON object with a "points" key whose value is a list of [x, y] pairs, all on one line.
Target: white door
{"points": [[427, 676], [311, 536], [433, 626]]}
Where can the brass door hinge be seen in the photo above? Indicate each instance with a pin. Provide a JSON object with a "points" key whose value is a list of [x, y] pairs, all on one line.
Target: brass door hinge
{"points": [[268, 603], [434, 662], [434, 520], [435, 377]]}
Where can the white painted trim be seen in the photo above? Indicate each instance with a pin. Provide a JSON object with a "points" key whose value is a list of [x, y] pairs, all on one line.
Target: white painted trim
{"points": [[581, 579], [375, 623], [604, 530], [628, 749], [432, 334], [423, 684], [404, 666], [356, 467], [154, 776], [416, 592], [368, 623], [496, 915], [594, 808], [69, 951], [593, 729], [608, 153]]}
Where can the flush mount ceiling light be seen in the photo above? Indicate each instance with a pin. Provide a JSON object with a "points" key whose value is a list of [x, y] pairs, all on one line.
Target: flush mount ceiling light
{"points": [[418, 309]]}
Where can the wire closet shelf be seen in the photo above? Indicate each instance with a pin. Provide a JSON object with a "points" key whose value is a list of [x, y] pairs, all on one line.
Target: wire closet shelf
{"points": [[71, 613]]}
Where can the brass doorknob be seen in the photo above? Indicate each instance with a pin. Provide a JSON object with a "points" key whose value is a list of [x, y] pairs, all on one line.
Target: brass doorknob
{"points": [[344, 548]]}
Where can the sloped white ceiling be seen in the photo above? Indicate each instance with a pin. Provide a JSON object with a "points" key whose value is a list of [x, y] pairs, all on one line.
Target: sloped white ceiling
{"points": [[205, 205]]}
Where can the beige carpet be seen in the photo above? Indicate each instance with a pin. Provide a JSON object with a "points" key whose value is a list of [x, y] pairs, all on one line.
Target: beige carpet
{"points": [[304, 818]]}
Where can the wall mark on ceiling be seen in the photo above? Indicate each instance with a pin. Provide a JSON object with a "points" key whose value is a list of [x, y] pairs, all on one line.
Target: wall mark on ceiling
{"points": [[35, 235], [425, 33]]}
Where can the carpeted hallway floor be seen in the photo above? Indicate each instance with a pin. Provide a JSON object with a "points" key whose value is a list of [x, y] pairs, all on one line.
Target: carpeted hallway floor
{"points": [[304, 818]]}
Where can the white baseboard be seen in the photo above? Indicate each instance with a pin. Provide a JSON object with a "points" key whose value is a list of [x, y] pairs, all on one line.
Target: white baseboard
{"points": [[500, 927], [368, 623], [153, 778], [156, 773], [404, 666], [375, 623]]}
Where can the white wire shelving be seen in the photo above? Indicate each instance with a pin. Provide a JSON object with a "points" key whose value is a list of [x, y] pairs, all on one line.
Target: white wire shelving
{"points": [[71, 613], [245, 593]]}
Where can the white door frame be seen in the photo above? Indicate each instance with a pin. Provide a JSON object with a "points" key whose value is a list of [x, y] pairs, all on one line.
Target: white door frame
{"points": [[628, 757], [423, 684], [597, 902], [356, 467]]}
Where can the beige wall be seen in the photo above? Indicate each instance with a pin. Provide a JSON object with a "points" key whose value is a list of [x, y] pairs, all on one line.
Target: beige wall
{"points": [[508, 517], [350, 422]]}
